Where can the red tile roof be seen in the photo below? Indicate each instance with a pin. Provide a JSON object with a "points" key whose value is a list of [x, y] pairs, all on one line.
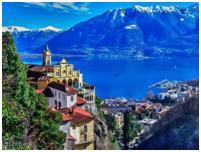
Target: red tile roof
{"points": [[42, 68], [80, 115], [71, 90], [44, 78], [80, 101], [75, 114], [66, 117], [70, 137], [139, 109]]}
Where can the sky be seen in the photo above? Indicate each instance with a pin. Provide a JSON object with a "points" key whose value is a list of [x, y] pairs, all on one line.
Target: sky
{"points": [[63, 15]]}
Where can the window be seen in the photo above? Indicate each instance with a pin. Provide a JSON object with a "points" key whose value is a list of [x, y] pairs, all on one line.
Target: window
{"points": [[71, 98], [85, 137], [63, 96], [55, 103], [64, 71], [55, 93], [85, 128], [59, 105], [73, 126], [59, 94]]}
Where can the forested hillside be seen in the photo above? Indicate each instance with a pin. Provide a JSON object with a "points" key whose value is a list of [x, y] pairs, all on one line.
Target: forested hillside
{"points": [[26, 121]]}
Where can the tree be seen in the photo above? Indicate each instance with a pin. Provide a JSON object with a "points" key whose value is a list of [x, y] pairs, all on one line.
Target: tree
{"points": [[27, 122], [98, 102], [111, 122], [127, 129]]}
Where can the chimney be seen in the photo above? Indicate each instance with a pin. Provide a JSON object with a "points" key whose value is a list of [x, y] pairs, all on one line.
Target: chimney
{"points": [[70, 110]]}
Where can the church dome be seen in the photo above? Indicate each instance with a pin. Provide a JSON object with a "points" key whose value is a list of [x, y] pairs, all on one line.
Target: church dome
{"points": [[63, 61]]}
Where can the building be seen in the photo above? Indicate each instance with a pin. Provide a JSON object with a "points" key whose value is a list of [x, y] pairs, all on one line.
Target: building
{"points": [[40, 76], [65, 73], [119, 118], [60, 96], [88, 93], [77, 123]]}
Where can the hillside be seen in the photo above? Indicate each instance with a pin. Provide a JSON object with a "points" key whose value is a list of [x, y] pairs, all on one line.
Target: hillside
{"points": [[26, 121]]}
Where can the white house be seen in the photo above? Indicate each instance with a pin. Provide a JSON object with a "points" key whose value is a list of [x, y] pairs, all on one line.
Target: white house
{"points": [[60, 96]]}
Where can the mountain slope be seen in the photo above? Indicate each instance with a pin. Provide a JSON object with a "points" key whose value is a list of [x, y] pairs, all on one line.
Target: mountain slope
{"points": [[152, 31], [27, 40]]}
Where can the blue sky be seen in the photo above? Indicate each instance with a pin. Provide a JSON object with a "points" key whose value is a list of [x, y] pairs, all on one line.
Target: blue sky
{"points": [[62, 15]]}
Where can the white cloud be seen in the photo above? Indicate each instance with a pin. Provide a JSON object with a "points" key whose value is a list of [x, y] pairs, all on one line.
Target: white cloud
{"points": [[60, 6]]}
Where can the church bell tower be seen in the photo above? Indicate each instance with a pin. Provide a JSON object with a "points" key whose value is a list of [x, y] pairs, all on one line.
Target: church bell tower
{"points": [[46, 56]]}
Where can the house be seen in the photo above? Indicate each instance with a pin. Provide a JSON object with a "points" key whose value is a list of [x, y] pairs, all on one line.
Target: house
{"points": [[60, 96], [119, 118], [37, 76], [78, 125]]}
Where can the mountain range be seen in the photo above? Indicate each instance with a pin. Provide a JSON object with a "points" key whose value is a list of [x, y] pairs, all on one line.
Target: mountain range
{"points": [[137, 31], [28, 40]]}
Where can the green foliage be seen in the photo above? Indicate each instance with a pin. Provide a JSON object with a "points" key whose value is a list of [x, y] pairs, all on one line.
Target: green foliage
{"points": [[111, 122], [131, 128], [127, 129], [27, 122], [98, 102]]}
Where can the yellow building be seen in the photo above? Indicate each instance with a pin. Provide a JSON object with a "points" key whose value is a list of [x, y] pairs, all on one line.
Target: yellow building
{"points": [[119, 118], [84, 133], [65, 73], [79, 124]]}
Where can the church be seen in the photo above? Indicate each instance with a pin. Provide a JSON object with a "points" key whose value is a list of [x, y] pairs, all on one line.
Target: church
{"points": [[40, 76], [63, 72]]}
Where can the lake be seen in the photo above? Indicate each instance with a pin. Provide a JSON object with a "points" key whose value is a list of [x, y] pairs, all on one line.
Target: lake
{"points": [[128, 78]]}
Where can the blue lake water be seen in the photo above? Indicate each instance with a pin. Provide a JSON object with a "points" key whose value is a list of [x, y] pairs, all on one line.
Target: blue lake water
{"points": [[128, 77]]}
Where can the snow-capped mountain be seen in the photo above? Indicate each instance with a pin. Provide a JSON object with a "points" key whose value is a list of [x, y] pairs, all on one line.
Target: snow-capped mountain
{"points": [[50, 28], [145, 31], [27, 40], [14, 29]]}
